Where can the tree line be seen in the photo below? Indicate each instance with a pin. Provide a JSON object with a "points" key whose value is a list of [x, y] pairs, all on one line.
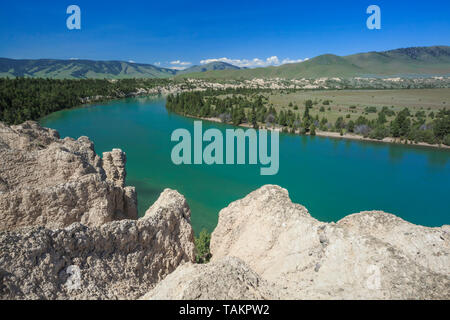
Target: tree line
{"points": [[253, 108], [23, 99]]}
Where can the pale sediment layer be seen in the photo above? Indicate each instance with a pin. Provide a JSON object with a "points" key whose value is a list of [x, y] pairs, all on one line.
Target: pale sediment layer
{"points": [[117, 260], [368, 255], [52, 182]]}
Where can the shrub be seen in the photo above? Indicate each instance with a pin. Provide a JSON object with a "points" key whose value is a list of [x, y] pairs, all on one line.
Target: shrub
{"points": [[225, 117], [362, 129], [388, 112], [351, 126], [401, 124], [446, 140], [420, 114], [202, 251], [340, 123], [270, 119], [380, 132], [370, 109], [308, 103], [441, 126]]}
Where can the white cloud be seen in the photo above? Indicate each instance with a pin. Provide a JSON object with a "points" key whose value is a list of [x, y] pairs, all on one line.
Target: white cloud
{"points": [[287, 60], [273, 60], [74, 59], [253, 63], [131, 61], [177, 68], [180, 63], [157, 63]]}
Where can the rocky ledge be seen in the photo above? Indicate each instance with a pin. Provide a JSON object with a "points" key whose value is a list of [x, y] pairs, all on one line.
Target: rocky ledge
{"points": [[368, 255], [118, 260], [52, 182], [68, 224], [226, 279]]}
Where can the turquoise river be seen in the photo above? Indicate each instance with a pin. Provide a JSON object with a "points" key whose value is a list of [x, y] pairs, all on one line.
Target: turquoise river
{"points": [[330, 177]]}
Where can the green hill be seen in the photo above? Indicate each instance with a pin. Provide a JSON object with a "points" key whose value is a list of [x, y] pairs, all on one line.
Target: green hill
{"points": [[80, 69], [400, 62]]}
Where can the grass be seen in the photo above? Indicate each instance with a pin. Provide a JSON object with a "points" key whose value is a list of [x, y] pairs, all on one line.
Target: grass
{"points": [[354, 102]]}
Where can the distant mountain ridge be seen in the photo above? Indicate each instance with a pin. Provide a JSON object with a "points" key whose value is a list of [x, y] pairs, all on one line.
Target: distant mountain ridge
{"points": [[212, 66], [81, 69], [399, 62]]}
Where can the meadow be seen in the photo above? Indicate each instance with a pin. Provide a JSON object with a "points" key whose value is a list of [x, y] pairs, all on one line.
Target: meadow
{"points": [[340, 103]]}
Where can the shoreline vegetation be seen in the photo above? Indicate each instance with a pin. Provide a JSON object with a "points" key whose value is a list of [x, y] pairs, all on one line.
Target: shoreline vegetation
{"points": [[261, 103], [336, 135], [249, 109]]}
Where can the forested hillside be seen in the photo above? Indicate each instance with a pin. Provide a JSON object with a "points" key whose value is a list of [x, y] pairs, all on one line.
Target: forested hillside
{"points": [[29, 99]]}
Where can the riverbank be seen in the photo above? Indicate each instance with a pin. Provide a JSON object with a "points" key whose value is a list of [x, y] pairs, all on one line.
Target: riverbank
{"points": [[385, 140], [337, 135], [309, 168], [328, 134]]}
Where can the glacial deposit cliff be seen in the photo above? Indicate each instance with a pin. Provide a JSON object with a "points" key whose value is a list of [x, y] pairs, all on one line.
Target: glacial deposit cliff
{"points": [[69, 227], [68, 230], [226, 279], [368, 255], [117, 260], [52, 182]]}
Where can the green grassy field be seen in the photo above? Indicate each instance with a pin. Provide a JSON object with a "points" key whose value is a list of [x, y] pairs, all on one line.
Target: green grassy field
{"points": [[354, 102], [415, 115]]}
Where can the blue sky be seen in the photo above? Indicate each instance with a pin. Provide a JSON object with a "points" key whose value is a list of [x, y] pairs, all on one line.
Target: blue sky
{"points": [[195, 31]]}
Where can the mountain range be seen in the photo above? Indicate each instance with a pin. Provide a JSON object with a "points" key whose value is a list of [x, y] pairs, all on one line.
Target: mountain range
{"points": [[82, 69], [212, 66], [415, 61]]}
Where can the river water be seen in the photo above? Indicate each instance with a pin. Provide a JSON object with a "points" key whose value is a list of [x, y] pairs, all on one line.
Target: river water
{"points": [[330, 177]]}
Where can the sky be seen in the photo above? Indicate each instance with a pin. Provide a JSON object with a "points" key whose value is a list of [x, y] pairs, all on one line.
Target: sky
{"points": [[179, 34]]}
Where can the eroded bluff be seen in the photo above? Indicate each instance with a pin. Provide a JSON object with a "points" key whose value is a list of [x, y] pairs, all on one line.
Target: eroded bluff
{"points": [[52, 182], [70, 232], [226, 279], [368, 255], [117, 260]]}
